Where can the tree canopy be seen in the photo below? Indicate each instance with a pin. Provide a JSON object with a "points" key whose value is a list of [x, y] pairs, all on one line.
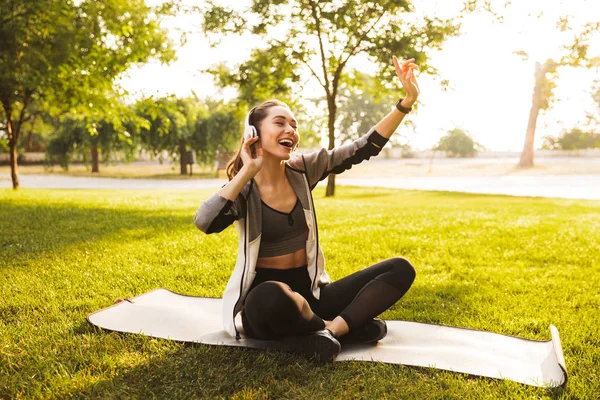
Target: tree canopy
{"points": [[64, 56], [319, 38], [458, 143]]}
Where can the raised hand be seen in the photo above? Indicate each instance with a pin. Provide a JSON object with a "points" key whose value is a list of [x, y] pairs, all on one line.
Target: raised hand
{"points": [[405, 72], [253, 164]]}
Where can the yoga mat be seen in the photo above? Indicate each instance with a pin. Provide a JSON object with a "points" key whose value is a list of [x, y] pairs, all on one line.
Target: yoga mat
{"points": [[164, 314]]}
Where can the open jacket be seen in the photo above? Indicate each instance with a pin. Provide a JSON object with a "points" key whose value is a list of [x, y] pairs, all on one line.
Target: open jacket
{"points": [[303, 171]]}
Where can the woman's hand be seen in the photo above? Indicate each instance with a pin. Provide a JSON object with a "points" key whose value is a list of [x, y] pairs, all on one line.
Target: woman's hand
{"points": [[406, 75], [252, 165]]}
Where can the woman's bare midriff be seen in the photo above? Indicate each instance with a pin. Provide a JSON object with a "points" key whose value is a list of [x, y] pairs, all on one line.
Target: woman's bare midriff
{"points": [[286, 261]]}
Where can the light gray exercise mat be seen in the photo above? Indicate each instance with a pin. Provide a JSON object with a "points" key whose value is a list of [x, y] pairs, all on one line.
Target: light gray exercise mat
{"points": [[164, 314]]}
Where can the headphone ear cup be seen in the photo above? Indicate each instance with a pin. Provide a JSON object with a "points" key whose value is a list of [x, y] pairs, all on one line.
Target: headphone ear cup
{"points": [[250, 132]]}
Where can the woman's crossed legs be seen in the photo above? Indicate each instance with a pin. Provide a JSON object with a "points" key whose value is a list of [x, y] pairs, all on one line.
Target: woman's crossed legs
{"points": [[273, 310]]}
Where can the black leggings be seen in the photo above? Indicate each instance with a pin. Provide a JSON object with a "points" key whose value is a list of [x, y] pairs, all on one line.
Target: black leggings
{"points": [[357, 298]]}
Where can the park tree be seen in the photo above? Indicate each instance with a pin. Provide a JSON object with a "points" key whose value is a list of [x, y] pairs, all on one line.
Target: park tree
{"points": [[171, 126], [217, 130], [64, 56], [268, 75], [458, 143], [593, 116], [35, 133], [363, 100], [585, 135], [96, 137], [321, 37], [573, 52]]}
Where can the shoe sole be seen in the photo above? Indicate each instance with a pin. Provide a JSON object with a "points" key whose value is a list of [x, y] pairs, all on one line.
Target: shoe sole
{"points": [[316, 347]]}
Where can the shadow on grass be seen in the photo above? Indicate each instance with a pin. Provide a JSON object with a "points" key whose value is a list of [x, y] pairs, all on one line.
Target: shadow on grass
{"points": [[28, 231], [201, 371]]}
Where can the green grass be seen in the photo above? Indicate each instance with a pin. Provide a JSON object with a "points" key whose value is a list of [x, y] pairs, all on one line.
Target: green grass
{"points": [[500, 264]]}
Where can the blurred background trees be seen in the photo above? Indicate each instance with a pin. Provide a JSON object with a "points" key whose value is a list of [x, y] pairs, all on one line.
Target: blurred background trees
{"points": [[64, 56], [586, 135], [575, 55], [458, 143], [574, 139], [320, 37], [60, 64]]}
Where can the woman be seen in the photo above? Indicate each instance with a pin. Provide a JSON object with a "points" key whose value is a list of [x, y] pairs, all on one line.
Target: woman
{"points": [[279, 283]]}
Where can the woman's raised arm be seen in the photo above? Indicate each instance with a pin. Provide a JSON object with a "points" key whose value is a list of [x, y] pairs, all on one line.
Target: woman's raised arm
{"points": [[388, 125]]}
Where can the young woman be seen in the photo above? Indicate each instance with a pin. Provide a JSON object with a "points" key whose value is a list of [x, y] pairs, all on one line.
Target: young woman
{"points": [[279, 283]]}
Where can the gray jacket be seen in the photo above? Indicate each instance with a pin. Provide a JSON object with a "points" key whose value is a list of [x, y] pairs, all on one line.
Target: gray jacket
{"points": [[303, 171]]}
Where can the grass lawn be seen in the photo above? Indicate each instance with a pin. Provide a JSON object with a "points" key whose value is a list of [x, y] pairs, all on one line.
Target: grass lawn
{"points": [[501, 264]]}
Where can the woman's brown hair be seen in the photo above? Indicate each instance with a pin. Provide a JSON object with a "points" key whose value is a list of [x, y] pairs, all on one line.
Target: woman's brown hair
{"points": [[258, 115]]}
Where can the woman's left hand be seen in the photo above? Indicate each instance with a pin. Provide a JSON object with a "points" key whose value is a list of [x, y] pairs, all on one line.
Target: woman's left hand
{"points": [[405, 72]]}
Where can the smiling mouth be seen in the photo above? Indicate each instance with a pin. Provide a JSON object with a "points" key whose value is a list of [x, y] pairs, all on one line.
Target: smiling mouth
{"points": [[286, 143]]}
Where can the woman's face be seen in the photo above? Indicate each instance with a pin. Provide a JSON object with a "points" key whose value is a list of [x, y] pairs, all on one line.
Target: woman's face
{"points": [[279, 132]]}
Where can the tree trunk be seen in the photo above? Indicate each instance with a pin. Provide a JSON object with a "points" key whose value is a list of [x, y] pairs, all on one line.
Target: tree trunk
{"points": [[13, 164], [330, 191], [182, 160], [95, 164], [526, 160], [12, 144]]}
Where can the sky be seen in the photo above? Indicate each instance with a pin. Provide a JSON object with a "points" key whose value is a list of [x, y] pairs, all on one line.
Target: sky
{"points": [[490, 87]]}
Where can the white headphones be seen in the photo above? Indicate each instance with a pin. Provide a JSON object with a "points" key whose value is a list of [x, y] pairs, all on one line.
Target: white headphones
{"points": [[249, 130]]}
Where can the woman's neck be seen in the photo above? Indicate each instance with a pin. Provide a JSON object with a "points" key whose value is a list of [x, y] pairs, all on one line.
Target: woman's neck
{"points": [[272, 173]]}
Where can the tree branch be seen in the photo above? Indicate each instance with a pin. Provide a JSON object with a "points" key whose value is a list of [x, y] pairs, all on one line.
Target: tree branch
{"points": [[361, 23], [314, 7], [26, 99], [362, 37], [302, 60], [342, 64], [313, 72]]}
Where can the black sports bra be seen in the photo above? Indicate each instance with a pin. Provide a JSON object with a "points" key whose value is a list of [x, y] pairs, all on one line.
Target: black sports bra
{"points": [[282, 233]]}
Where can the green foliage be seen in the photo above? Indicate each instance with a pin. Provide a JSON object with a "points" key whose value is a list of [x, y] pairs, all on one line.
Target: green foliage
{"points": [[75, 136], [176, 125], [170, 124], [69, 54], [457, 143], [266, 74], [574, 139], [64, 56], [494, 263], [320, 38], [579, 138], [219, 131], [363, 101], [547, 83]]}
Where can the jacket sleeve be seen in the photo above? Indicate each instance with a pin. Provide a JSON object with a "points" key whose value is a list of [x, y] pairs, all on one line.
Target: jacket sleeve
{"points": [[319, 164], [217, 213]]}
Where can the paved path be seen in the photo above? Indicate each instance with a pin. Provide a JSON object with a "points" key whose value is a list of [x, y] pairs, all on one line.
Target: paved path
{"points": [[72, 182], [560, 186]]}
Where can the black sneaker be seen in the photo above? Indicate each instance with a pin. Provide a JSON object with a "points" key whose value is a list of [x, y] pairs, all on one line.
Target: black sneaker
{"points": [[320, 346], [371, 332]]}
